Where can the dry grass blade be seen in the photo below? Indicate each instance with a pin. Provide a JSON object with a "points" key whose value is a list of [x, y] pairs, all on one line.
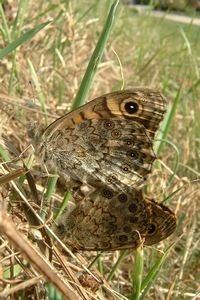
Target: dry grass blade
{"points": [[8, 229], [12, 175]]}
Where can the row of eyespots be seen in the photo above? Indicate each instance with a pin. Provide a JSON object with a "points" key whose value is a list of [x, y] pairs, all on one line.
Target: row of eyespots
{"points": [[122, 198], [123, 238]]}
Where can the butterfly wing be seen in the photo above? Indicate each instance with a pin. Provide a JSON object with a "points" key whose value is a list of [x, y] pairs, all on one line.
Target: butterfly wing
{"points": [[107, 141], [106, 220], [119, 156], [161, 224], [122, 150]]}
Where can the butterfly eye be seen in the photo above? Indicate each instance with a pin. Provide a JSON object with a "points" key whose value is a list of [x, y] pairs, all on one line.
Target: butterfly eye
{"points": [[151, 228], [131, 107]]}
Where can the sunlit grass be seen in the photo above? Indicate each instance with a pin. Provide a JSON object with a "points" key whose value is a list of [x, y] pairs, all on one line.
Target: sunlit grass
{"points": [[153, 52]]}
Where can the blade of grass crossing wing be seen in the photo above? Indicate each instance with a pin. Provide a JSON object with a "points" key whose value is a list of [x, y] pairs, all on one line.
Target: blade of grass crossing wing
{"points": [[66, 198], [95, 59], [48, 195], [93, 63]]}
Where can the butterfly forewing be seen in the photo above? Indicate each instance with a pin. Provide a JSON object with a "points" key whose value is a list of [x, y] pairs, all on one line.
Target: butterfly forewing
{"points": [[107, 141]]}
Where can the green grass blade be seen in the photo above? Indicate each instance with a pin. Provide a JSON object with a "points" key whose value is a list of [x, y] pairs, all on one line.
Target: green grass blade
{"points": [[167, 123], [176, 160], [19, 20], [4, 153], [95, 59], [4, 28], [51, 185], [38, 88], [22, 39], [152, 275], [137, 274], [53, 293], [66, 198], [116, 265]]}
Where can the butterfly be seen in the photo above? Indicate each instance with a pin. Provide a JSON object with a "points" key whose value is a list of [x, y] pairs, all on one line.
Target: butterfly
{"points": [[107, 145], [106, 220]]}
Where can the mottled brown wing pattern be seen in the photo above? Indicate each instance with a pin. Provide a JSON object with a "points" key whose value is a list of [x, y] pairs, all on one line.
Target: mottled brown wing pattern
{"points": [[104, 151], [110, 220], [109, 140]]}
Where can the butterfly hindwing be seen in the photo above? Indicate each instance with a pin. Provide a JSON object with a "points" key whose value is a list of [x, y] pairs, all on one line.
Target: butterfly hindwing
{"points": [[109, 220]]}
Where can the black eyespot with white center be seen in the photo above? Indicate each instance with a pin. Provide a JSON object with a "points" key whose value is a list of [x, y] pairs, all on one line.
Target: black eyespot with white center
{"points": [[108, 124], [116, 133], [151, 228], [125, 168], [131, 107], [111, 179], [133, 154]]}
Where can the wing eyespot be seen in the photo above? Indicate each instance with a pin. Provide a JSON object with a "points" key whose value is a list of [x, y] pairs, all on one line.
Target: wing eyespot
{"points": [[151, 228], [131, 107]]}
